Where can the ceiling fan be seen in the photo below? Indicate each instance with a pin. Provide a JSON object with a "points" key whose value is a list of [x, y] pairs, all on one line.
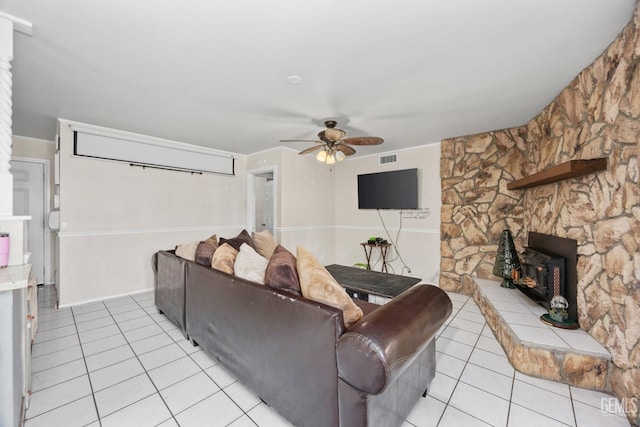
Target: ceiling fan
{"points": [[334, 145]]}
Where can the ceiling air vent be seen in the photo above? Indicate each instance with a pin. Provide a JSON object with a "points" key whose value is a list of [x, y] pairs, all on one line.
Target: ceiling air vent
{"points": [[388, 158]]}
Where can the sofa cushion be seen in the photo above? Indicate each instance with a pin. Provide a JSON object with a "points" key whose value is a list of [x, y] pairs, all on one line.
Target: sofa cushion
{"points": [[318, 285], [205, 250], [237, 241], [265, 243], [187, 250], [282, 272], [250, 264], [224, 258]]}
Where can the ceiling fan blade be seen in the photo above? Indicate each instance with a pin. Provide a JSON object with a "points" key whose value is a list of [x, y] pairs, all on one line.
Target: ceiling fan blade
{"points": [[346, 149], [311, 149], [363, 140]]}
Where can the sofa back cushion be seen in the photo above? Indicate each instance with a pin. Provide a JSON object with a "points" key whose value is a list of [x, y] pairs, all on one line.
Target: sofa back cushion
{"points": [[187, 251], [224, 258], [265, 243], [250, 264], [205, 250], [319, 285], [282, 272], [237, 241]]}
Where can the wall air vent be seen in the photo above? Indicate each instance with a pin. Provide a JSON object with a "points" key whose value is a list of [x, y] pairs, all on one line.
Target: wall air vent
{"points": [[388, 158]]}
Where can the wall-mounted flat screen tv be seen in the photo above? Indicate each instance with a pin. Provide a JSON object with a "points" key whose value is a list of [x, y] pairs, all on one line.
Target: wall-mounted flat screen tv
{"points": [[388, 190]]}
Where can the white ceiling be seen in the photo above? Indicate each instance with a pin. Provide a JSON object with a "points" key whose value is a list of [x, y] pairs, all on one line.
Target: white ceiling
{"points": [[214, 73]]}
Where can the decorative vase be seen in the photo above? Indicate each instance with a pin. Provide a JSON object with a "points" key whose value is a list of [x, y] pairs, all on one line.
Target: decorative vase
{"points": [[506, 260]]}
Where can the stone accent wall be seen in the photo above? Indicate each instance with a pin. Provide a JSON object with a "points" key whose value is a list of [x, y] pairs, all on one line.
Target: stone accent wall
{"points": [[596, 115], [476, 205]]}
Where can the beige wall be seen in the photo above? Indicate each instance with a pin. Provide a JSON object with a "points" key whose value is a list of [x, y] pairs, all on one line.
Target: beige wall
{"points": [[317, 207], [419, 240], [304, 200], [114, 217], [37, 149], [32, 147]]}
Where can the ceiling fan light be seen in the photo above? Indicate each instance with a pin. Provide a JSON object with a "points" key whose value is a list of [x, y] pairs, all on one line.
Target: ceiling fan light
{"points": [[331, 159], [321, 156], [340, 156]]}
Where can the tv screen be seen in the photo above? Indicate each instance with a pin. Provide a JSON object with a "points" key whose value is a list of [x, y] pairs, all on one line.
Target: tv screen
{"points": [[388, 190]]}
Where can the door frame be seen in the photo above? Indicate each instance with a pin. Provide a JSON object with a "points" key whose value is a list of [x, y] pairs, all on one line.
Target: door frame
{"points": [[47, 208], [251, 197]]}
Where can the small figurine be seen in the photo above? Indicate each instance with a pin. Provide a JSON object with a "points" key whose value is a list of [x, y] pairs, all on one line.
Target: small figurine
{"points": [[558, 308]]}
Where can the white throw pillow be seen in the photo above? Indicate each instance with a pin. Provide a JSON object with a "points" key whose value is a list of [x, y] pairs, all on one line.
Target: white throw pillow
{"points": [[250, 264]]}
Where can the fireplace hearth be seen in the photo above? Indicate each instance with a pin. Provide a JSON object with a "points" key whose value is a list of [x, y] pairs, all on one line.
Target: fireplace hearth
{"points": [[548, 268]]}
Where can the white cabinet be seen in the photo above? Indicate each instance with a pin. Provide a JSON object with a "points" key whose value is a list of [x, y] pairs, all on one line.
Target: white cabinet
{"points": [[15, 351]]}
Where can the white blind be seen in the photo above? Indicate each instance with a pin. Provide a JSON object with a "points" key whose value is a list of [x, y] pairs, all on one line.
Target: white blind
{"points": [[154, 154]]}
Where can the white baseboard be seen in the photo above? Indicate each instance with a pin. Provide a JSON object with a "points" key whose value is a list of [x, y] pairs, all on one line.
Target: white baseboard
{"points": [[105, 298]]}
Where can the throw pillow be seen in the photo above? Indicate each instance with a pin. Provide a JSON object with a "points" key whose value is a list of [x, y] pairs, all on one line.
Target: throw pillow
{"points": [[237, 241], [205, 250], [318, 285], [224, 258], [282, 272], [265, 243], [187, 251], [250, 264]]}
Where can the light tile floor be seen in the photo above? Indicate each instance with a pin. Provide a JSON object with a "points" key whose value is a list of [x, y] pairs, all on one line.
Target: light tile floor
{"points": [[119, 363]]}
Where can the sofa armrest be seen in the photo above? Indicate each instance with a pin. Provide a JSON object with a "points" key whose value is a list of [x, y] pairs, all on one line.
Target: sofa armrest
{"points": [[376, 350]]}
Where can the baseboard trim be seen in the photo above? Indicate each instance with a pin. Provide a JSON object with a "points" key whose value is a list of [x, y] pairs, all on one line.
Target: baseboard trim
{"points": [[87, 301]]}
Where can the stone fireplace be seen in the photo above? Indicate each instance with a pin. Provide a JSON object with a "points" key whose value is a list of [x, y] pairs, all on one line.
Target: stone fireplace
{"points": [[596, 116], [564, 251]]}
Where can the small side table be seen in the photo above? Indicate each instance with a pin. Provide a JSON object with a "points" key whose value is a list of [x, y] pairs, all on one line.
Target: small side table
{"points": [[384, 247]]}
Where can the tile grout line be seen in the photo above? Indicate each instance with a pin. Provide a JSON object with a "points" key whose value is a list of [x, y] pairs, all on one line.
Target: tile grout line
{"points": [[447, 403], [513, 383], [84, 359], [70, 379], [143, 367], [540, 388], [220, 389], [573, 407]]}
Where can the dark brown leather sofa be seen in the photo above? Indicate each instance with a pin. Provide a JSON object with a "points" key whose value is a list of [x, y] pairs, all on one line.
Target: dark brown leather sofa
{"points": [[296, 355]]}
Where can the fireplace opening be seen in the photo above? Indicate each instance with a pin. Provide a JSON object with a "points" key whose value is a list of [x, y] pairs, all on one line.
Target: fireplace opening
{"points": [[549, 268]]}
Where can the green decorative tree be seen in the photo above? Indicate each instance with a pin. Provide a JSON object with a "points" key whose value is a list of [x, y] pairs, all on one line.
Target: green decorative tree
{"points": [[506, 260]]}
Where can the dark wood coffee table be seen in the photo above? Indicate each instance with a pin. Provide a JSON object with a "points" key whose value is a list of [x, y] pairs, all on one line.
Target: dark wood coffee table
{"points": [[371, 282]]}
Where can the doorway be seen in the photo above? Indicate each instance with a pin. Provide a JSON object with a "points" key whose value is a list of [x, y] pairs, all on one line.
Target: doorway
{"points": [[261, 200], [30, 196]]}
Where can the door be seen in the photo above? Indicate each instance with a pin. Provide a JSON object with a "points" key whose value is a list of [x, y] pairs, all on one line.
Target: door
{"points": [[28, 199], [268, 205], [262, 200], [260, 184]]}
